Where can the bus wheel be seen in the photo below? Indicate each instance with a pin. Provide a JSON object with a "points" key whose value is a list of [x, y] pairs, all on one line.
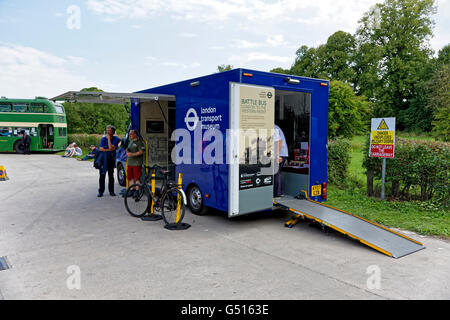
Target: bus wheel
{"points": [[195, 199], [18, 147], [121, 175]]}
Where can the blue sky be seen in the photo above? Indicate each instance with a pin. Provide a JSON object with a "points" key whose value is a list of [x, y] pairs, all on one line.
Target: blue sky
{"points": [[129, 45]]}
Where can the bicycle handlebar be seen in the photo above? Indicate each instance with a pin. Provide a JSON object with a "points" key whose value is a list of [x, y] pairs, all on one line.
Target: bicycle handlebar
{"points": [[154, 167]]}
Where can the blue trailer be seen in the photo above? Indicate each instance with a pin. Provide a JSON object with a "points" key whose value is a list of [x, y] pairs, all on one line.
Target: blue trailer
{"points": [[217, 131], [298, 105]]}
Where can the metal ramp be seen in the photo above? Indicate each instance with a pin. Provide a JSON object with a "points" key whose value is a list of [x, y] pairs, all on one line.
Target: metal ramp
{"points": [[369, 233]]}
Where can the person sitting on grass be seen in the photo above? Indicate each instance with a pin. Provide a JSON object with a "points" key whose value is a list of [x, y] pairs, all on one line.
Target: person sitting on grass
{"points": [[73, 150], [91, 154], [68, 151]]}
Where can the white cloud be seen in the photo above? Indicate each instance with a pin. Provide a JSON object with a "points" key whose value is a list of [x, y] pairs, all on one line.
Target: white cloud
{"points": [[188, 35], [180, 65], [27, 72], [213, 11], [76, 60], [245, 44], [276, 40], [242, 60], [271, 41]]}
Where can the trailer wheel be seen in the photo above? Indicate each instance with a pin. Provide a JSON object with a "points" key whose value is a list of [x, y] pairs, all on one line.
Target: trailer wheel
{"points": [[121, 175], [18, 147], [195, 199]]}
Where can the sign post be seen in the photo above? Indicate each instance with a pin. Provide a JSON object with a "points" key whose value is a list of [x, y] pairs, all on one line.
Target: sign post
{"points": [[382, 143]]}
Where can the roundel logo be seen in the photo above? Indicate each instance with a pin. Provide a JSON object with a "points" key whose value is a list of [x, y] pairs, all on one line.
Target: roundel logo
{"points": [[191, 119]]}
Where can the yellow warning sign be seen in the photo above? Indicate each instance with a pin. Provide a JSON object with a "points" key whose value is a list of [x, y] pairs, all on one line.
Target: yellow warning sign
{"points": [[383, 126], [383, 137]]}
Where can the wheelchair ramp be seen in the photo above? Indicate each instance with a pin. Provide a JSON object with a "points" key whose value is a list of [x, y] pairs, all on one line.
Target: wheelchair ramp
{"points": [[369, 233]]}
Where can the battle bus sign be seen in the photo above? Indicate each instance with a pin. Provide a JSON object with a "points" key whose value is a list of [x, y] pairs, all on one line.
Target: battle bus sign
{"points": [[382, 138]]}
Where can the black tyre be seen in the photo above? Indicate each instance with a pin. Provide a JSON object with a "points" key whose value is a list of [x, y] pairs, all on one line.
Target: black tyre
{"points": [[195, 200], [121, 175], [172, 208], [138, 202], [18, 147]]}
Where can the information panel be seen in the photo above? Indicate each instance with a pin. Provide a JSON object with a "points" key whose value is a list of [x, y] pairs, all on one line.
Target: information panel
{"points": [[256, 121]]}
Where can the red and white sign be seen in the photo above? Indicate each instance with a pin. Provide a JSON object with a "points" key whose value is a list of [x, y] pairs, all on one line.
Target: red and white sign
{"points": [[382, 151]]}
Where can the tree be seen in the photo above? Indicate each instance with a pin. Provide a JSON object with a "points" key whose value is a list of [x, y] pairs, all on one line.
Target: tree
{"points": [[440, 102], [307, 62], [93, 118], [443, 56], [333, 60], [348, 114], [281, 70], [224, 67], [393, 54], [337, 57]]}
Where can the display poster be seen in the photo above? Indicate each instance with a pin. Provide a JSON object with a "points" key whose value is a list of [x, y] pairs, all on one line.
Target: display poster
{"points": [[256, 122]]}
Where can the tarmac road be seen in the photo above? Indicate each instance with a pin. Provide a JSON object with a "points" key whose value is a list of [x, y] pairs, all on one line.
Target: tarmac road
{"points": [[52, 223]]}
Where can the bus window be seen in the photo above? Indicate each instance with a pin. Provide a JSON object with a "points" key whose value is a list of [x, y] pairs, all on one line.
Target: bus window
{"points": [[59, 108], [5, 107], [5, 131], [37, 108], [20, 107], [18, 131]]}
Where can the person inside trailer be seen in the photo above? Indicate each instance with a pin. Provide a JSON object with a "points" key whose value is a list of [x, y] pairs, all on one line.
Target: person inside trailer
{"points": [[281, 155]]}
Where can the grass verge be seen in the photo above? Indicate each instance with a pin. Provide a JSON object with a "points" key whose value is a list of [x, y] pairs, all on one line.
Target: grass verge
{"points": [[419, 217]]}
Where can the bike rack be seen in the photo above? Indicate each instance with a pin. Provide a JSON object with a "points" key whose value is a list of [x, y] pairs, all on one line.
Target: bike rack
{"points": [[151, 215], [178, 225]]}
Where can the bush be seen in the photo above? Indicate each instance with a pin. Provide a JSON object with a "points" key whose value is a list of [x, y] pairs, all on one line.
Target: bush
{"points": [[93, 118], [338, 161], [348, 114], [419, 171]]}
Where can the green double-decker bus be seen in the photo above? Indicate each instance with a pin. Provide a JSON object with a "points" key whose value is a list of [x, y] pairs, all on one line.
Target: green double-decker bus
{"points": [[44, 121]]}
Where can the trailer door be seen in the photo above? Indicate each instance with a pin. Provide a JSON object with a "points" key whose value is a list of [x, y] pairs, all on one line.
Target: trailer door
{"points": [[250, 148]]}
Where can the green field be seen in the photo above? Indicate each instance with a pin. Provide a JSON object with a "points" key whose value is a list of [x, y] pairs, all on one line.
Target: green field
{"points": [[422, 217]]}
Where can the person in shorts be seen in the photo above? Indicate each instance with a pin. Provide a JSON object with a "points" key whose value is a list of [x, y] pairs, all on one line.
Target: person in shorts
{"points": [[135, 155]]}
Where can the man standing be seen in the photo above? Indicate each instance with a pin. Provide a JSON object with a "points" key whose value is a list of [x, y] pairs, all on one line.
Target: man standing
{"points": [[135, 155], [26, 142], [108, 145], [281, 154]]}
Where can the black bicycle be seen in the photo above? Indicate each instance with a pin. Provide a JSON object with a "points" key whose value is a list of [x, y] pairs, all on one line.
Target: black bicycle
{"points": [[170, 200]]}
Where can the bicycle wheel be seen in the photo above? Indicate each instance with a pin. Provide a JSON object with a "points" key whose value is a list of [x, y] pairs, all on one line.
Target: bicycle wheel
{"points": [[172, 208], [137, 203]]}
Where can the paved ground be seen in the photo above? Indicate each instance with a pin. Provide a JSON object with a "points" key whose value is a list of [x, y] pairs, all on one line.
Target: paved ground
{"points": [[51, 219]]}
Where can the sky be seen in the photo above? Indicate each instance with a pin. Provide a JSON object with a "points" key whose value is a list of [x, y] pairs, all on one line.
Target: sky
{"points": [[48, 47]]}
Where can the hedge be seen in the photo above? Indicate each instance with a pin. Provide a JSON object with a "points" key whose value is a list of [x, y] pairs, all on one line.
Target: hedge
{"points": [[339, 159], [419, 171], [83, 140]]}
